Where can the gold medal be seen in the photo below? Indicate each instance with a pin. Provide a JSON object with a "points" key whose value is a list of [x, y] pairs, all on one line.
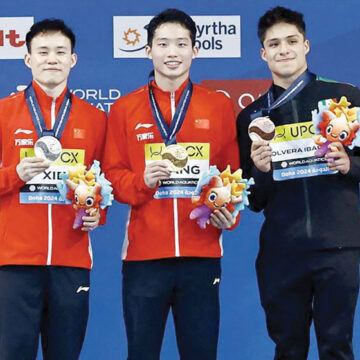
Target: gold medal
{"points": [[175, 156]]}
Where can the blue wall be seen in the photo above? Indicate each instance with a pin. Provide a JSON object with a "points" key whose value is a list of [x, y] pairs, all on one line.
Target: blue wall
{"points": [[334, 31]]}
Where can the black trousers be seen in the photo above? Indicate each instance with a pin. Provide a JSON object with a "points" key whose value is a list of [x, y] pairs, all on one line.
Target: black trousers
{"points": [[49, 300], [190, 286], [320, 286]]}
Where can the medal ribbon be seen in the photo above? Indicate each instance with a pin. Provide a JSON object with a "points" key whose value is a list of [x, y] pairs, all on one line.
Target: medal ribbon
{"points": [[169, 134], [38, 118], [303, 80]]}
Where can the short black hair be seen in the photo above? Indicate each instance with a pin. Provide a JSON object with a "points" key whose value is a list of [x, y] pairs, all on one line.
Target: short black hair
{"points": [[49, 25], [277, 15], [171, 16]]}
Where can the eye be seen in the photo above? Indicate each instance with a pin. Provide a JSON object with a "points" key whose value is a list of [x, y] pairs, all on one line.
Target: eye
{"points": [[212, 197], [343, 135], [329, 129], [89, 201], [225, 204], [76, 199]]}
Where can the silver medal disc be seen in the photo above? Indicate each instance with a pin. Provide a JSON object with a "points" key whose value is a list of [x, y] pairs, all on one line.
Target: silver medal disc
{"points": [[48, 148]]}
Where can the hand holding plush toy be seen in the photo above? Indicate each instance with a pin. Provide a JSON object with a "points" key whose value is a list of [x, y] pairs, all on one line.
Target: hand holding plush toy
{"points": [[87, 190], [215, 190]]}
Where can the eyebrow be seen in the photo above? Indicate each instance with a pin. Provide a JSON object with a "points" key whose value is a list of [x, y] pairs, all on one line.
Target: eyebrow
{"points": [[286, 37], [47, 47], [164, 38]]}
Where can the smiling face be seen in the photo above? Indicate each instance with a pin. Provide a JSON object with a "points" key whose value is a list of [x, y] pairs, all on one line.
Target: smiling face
{"points": [[284, 50], [172, 53], [51, 60]]}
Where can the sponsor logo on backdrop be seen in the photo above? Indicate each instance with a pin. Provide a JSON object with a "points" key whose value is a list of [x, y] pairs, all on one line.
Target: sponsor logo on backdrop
{"points": [[100, 98], [12, 36], [130, 36], [217, 36], [242, 92]]}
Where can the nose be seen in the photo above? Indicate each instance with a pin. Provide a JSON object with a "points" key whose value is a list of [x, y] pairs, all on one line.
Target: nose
{"points": [[52, 58], [284, 47], [172, 50]]}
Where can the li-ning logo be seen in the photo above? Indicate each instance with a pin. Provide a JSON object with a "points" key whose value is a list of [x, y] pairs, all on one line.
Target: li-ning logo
{"points": [[216, 281], [82, 288], [23, 131], [146, 126]]}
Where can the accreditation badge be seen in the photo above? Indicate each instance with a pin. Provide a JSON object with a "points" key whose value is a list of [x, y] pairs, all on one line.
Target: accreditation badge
{"points": [[182, 182], [293, 153], [42, 188]]}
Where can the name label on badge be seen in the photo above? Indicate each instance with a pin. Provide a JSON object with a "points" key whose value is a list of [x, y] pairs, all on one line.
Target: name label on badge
{"points": [[181, 184], [293, 151], [42, 189]]}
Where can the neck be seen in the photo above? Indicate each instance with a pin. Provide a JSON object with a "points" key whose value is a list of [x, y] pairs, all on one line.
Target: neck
{"points": [[285, 82], [169, 84], [52, 91]]}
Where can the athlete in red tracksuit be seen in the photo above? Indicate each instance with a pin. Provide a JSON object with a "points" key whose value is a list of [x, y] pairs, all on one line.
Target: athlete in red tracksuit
{"points": [[168, 260], [44, 262]]}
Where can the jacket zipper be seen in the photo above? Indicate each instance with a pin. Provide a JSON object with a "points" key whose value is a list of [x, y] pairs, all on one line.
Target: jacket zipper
{"points": [[50, 228], [175, 205], [304, 182]]}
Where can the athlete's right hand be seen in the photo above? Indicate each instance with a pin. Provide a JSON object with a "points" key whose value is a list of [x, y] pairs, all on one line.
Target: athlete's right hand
{"points": [[154, 172], [29, 167], [261, 155]]}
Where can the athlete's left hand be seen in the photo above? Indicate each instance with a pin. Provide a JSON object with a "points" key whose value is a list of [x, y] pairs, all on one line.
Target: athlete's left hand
{"points": [[222, 219], [341, 161], [91, 221]]}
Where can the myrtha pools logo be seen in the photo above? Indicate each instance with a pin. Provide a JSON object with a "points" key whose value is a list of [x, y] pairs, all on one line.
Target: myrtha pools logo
{"points": [[217, 36]]}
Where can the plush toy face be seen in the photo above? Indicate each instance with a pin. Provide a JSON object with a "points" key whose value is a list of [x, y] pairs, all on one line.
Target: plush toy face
{"points": [[85, 196], [339, 129], [217, 197]]}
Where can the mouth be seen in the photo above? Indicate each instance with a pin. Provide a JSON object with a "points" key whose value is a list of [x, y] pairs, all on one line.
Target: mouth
{"points": [[286, 60], [172, 64], [51, 69]]}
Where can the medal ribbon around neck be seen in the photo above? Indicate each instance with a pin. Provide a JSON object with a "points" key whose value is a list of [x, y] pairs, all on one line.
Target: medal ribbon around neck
{"points": [[303, 80], [38, 118], [169, 134]]}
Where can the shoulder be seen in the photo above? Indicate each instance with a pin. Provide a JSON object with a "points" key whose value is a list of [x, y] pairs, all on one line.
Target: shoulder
{"points": [[13, 98], [252, 108], [335, 89], [211, 95], [80, 105], [336, 85], [12, 103], [131, 99]]}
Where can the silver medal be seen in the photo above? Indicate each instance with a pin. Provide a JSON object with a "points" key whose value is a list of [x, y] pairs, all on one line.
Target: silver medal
{"points": [[48, 148]]}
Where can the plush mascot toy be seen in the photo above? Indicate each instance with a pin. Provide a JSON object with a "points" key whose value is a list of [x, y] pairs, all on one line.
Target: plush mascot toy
{"points": [[216, 190]]}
